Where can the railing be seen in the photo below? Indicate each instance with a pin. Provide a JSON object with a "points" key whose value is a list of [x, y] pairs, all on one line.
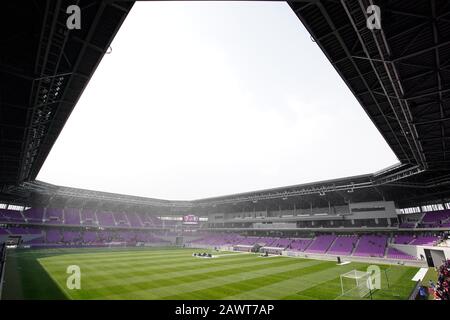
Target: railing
{"points": [[415, 291]]}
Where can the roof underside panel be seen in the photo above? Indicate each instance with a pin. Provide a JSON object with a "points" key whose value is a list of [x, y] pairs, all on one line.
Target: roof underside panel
{"points": [[400, 73], [45, 68]]}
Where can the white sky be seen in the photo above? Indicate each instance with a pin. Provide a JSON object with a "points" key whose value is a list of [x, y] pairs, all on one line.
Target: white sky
{"points": [[205, 99]]}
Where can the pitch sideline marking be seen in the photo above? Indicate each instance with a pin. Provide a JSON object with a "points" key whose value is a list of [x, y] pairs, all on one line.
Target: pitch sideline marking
{"points": [[420, 274]]}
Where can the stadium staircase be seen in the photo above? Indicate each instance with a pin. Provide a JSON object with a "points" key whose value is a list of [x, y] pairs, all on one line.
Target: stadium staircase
{"points": [[96, 218], [114, 219], [126, 220], [331, 244], [419, 221], [446, 220], [44, 215], [141, 220], [355, 246], [309, 244], [22, 215], [388, 243]]}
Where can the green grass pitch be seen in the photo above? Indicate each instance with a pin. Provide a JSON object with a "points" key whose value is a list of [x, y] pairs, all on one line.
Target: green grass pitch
{"points": [[174, 274]]}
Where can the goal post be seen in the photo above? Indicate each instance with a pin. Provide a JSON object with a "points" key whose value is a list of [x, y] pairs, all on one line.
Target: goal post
{"points": [[355, 284]]}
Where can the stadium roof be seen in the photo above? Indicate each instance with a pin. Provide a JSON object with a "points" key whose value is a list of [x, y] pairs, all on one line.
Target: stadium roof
{"points": [[399, 74], [45, 68]]}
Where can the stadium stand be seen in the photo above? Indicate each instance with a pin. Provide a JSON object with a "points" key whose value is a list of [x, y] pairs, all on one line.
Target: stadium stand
{"points": [[121, 219], [424, 240], [70, 236], [436, 219], [53, 236], [407, 225], [89, 237], [365, 245], [106, 219], [72, 216], [343, 245], [54, 216], [321, 244], [403, 239], [34, 215], [393, 253], [134, 220], [279, 243], [88, 218], [371, 246], [441, 290], [299, 244], [11, 216], [62, 236]]}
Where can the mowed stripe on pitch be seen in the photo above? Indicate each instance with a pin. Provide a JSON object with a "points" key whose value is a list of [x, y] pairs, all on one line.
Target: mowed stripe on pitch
{"points": [[253, 283], [295, 283], [183, 290], [154, 288], [135, 256], [125, 290], [98, 277], [145, 261], [145, 267], [175, 274], [141, 275]]}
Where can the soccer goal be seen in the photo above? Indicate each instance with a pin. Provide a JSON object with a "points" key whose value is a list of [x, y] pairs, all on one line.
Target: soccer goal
{"points": [[355, 284]]}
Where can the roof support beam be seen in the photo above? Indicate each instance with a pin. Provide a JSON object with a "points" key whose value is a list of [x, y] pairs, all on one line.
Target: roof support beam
{"points": [[355, 66], [391, 85], [419, 52], [438, 75]]}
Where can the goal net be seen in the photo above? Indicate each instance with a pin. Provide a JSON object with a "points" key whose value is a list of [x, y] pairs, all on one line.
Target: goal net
{"points": [[355, 284]]}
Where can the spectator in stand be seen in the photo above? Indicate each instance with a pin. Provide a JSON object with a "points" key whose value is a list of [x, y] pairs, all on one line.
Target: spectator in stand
{"points": [[431, 284], [423, 293], [441, 291]]}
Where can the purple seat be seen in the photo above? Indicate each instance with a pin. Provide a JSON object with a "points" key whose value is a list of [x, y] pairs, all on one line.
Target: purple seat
{"points": [[300, 244], [70, 236], [127, 236], [34, 215], [435, 219], [11, 216], [72, 216], [397, 254], [424, 240], [343, 245], [407, 225], [89, 237], [279, 243], [36, 241], [54, 216], [53, 236], [371, 246], [321, 244], [403, 239], [88, 218], [134, 220], [17, 230], [121, 219], [106, 219]]}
